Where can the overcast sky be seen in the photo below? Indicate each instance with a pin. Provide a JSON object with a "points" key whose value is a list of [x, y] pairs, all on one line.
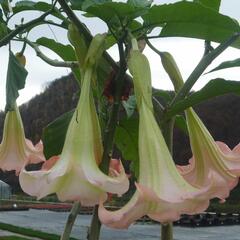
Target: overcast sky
{"points": [[187, 53]]}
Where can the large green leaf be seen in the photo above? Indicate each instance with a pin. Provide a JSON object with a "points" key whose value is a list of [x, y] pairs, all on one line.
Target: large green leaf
{"points": [[140, 3], [36, 6], [5, 7], [216, 87], [66, 52], [77, 3], [126, 140], [88, 3], [54, 135], [130, 106], [181, 124], [110, 11], [227, 64], [213, 4], [189, 19], [3, 30], [163, 96], [16, 76]]}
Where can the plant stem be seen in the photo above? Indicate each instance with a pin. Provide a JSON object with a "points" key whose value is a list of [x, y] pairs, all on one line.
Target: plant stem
{"points": [[70, 221], [112, 123], [167, 231], [94, 231], [108, 138]]}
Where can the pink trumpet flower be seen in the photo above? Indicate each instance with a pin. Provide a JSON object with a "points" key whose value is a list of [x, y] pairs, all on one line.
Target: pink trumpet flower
{"points": [[15, 150], [75, 174], [162, 193], [212, 161]]}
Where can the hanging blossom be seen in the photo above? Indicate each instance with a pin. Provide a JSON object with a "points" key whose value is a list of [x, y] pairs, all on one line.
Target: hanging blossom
{"points": [[212, 161], [161, 192], [75, 175], [15, 150]]}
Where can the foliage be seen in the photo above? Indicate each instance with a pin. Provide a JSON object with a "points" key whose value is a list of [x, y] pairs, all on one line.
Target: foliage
{"points": [[227, 64], [16, 77], [188, 19]]}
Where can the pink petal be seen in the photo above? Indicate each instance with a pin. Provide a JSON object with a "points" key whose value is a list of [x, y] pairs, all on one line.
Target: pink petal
{"points": [[146, 202], [35, 153], [47, 165]]}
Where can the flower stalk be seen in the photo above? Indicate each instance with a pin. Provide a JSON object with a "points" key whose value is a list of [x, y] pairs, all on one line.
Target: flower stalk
{"points": [[70, 221]]}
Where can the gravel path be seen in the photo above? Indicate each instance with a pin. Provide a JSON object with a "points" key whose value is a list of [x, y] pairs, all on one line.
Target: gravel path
{"points": [[53, 222]]}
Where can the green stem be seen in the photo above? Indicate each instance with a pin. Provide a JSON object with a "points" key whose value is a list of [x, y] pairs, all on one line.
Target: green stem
{"points": [[167, 130], [167, 231], [113, 119], [108, 138], [70, 221], [94, 231]]}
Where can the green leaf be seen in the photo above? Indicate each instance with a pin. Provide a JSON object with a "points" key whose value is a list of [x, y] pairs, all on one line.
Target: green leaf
{"points": [[88, 3], [140, 3], [25, 3], [36, 6], [126, 140], [16, 76], [66, 52], [77, 3], [3, 30], [130, 106], [181, 124], [54, 135], [227, 64], [110, 11], [5, 7], [214, 88], [213, 4], [189, 19], [163, 96]]}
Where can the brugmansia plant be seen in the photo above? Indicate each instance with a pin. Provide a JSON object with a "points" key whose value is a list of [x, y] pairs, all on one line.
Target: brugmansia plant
{"points": [[116, 110]]}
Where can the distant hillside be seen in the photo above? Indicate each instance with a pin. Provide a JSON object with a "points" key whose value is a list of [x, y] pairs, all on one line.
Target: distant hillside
{"points": [[221, 115]]}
